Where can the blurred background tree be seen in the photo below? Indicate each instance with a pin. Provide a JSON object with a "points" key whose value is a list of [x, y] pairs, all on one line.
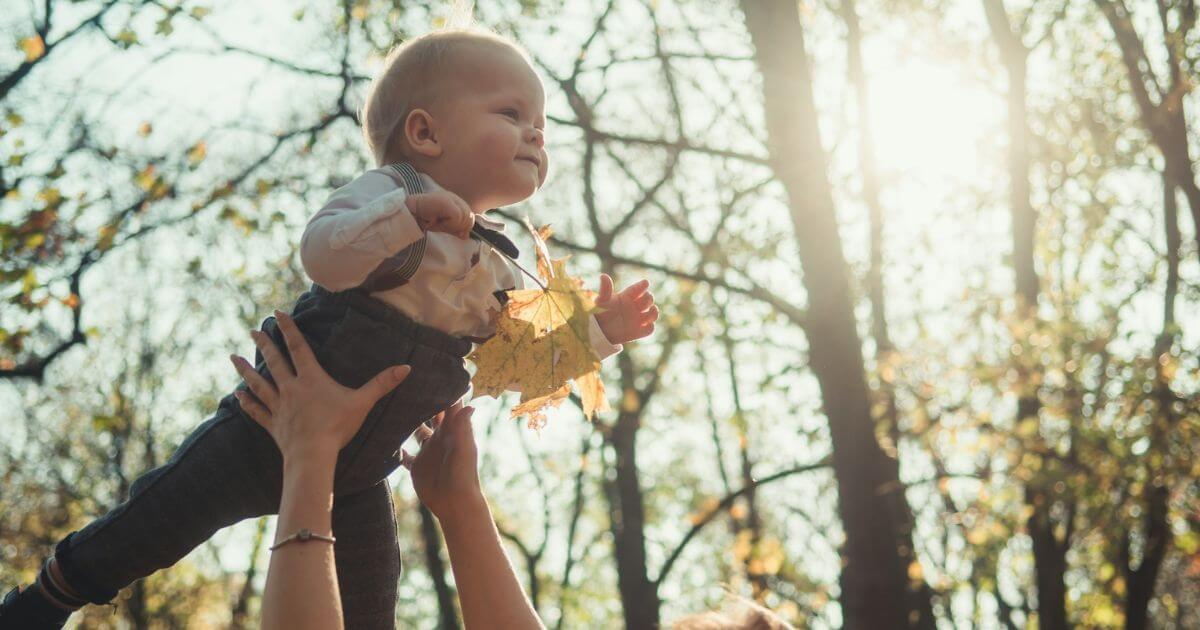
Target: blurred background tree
{"points": [[928, 346]]}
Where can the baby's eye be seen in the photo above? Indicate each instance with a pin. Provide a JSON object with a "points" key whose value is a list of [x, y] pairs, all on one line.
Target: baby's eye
{"points": [[512, 113]]}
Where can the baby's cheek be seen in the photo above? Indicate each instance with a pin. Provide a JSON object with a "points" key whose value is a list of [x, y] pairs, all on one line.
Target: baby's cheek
{"points": [[543, 169]]}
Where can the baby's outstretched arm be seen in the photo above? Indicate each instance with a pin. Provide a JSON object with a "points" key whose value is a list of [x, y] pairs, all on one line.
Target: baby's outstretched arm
{"points": [[628, 315]]}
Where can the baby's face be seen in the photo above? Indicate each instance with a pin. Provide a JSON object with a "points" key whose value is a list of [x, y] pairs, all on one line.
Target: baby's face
{"points": [[491, 130]]}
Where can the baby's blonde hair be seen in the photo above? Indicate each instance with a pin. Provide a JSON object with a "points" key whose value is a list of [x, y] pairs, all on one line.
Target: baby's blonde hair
{"points": [[412, 75], [738, 613]]}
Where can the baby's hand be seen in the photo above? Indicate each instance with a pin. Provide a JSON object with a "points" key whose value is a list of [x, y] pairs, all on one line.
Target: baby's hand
{"points": [[442, 211], [628, 315]]}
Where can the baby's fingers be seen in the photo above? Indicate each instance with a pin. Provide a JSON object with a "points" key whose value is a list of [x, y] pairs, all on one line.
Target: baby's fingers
{"points": [[262, 388], [636, 289], [466, 222], [606, 289]]}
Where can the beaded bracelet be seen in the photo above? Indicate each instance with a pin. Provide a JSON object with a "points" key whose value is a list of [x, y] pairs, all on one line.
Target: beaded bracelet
{"points": [[304, 535]]}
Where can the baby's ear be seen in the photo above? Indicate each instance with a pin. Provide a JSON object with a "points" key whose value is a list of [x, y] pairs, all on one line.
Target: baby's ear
{"points": [[421, 133]]}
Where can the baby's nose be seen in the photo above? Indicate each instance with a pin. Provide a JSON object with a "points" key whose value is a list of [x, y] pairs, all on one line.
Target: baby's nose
{"points": [[537, 137]]}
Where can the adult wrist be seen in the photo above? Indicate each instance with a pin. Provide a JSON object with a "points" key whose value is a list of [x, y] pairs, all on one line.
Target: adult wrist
{"points": [[464, 508], [312, 459]]}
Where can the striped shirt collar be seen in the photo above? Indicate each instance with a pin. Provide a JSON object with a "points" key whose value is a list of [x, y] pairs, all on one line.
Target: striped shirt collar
{"points": [[412, 183]]}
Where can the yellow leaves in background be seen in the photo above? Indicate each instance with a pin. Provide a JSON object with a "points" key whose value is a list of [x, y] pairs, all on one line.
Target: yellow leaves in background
{"points": [[151, 181], [197, 153], [51, 196], [704, 512], [33, 47], [126, 38], [107, 235], [762, 557], [147, 178], [542, 344], [915, 572]]}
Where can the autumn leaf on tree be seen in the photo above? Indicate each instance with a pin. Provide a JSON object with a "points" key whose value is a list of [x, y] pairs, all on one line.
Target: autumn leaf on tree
{"points": [[541, 343]]}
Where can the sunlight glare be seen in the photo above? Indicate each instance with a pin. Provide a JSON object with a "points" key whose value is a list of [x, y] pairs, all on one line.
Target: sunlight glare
{"points": [[928, 122]]}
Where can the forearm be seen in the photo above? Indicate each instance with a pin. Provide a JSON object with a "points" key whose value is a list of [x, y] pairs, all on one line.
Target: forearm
{"points": [[488, 589], [302, 588], [342, 245]]}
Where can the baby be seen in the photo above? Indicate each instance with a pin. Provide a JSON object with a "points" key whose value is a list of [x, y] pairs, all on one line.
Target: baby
{"points": [[408, 269]]}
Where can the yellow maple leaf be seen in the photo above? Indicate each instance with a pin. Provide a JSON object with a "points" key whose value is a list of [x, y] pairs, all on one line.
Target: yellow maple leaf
{"points": [[33, 47], [542, 344]]}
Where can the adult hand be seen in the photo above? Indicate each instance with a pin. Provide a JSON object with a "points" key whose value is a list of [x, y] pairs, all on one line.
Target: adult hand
{"points": [[305, 410], [445, 477], [444, 470]]}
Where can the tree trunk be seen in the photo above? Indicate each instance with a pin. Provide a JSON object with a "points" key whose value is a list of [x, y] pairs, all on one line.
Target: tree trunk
{"points": [[639, 596], [241, 608], [1140, 580], [1165, 120], [878, 552], [1049, 554], [871, 198], [447, 612]]}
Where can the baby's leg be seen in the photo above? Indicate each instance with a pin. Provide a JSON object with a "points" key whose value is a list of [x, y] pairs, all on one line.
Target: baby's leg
{"points": [[227, 470], [368, 557]]}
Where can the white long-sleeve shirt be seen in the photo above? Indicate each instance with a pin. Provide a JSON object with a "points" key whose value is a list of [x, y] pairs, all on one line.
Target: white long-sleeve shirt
{"points": [[367, 222]]}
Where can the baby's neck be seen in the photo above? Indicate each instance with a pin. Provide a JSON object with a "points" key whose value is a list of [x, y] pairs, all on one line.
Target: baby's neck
{"points": [[445, 179]]}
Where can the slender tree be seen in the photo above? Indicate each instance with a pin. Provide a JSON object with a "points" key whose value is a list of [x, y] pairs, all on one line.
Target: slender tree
{"points": [[878, 554]]}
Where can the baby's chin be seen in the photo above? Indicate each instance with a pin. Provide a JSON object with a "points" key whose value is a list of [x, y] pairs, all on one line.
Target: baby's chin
{"points": [[514, 196]]}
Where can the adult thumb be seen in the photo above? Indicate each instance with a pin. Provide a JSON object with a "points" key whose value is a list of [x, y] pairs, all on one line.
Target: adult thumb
{"points": [[384, 382]]}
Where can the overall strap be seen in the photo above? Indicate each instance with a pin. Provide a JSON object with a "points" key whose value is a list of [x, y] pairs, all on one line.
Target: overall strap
{"points": [[397, 270]]}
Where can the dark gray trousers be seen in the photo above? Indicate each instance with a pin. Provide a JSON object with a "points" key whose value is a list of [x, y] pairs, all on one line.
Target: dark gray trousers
{"points": [[229, 468]]}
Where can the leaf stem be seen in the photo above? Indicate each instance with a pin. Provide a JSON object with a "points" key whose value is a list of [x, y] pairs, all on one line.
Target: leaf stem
{"points": [[523, 270]]}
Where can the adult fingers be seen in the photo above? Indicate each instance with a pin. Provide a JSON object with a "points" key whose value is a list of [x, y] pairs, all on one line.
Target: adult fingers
{"points": [[384, 382], [262, 388], [459, 421], [436, 421], [423, 433], [406, 460], [278, 365], [302, 356], [253, 408]]}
